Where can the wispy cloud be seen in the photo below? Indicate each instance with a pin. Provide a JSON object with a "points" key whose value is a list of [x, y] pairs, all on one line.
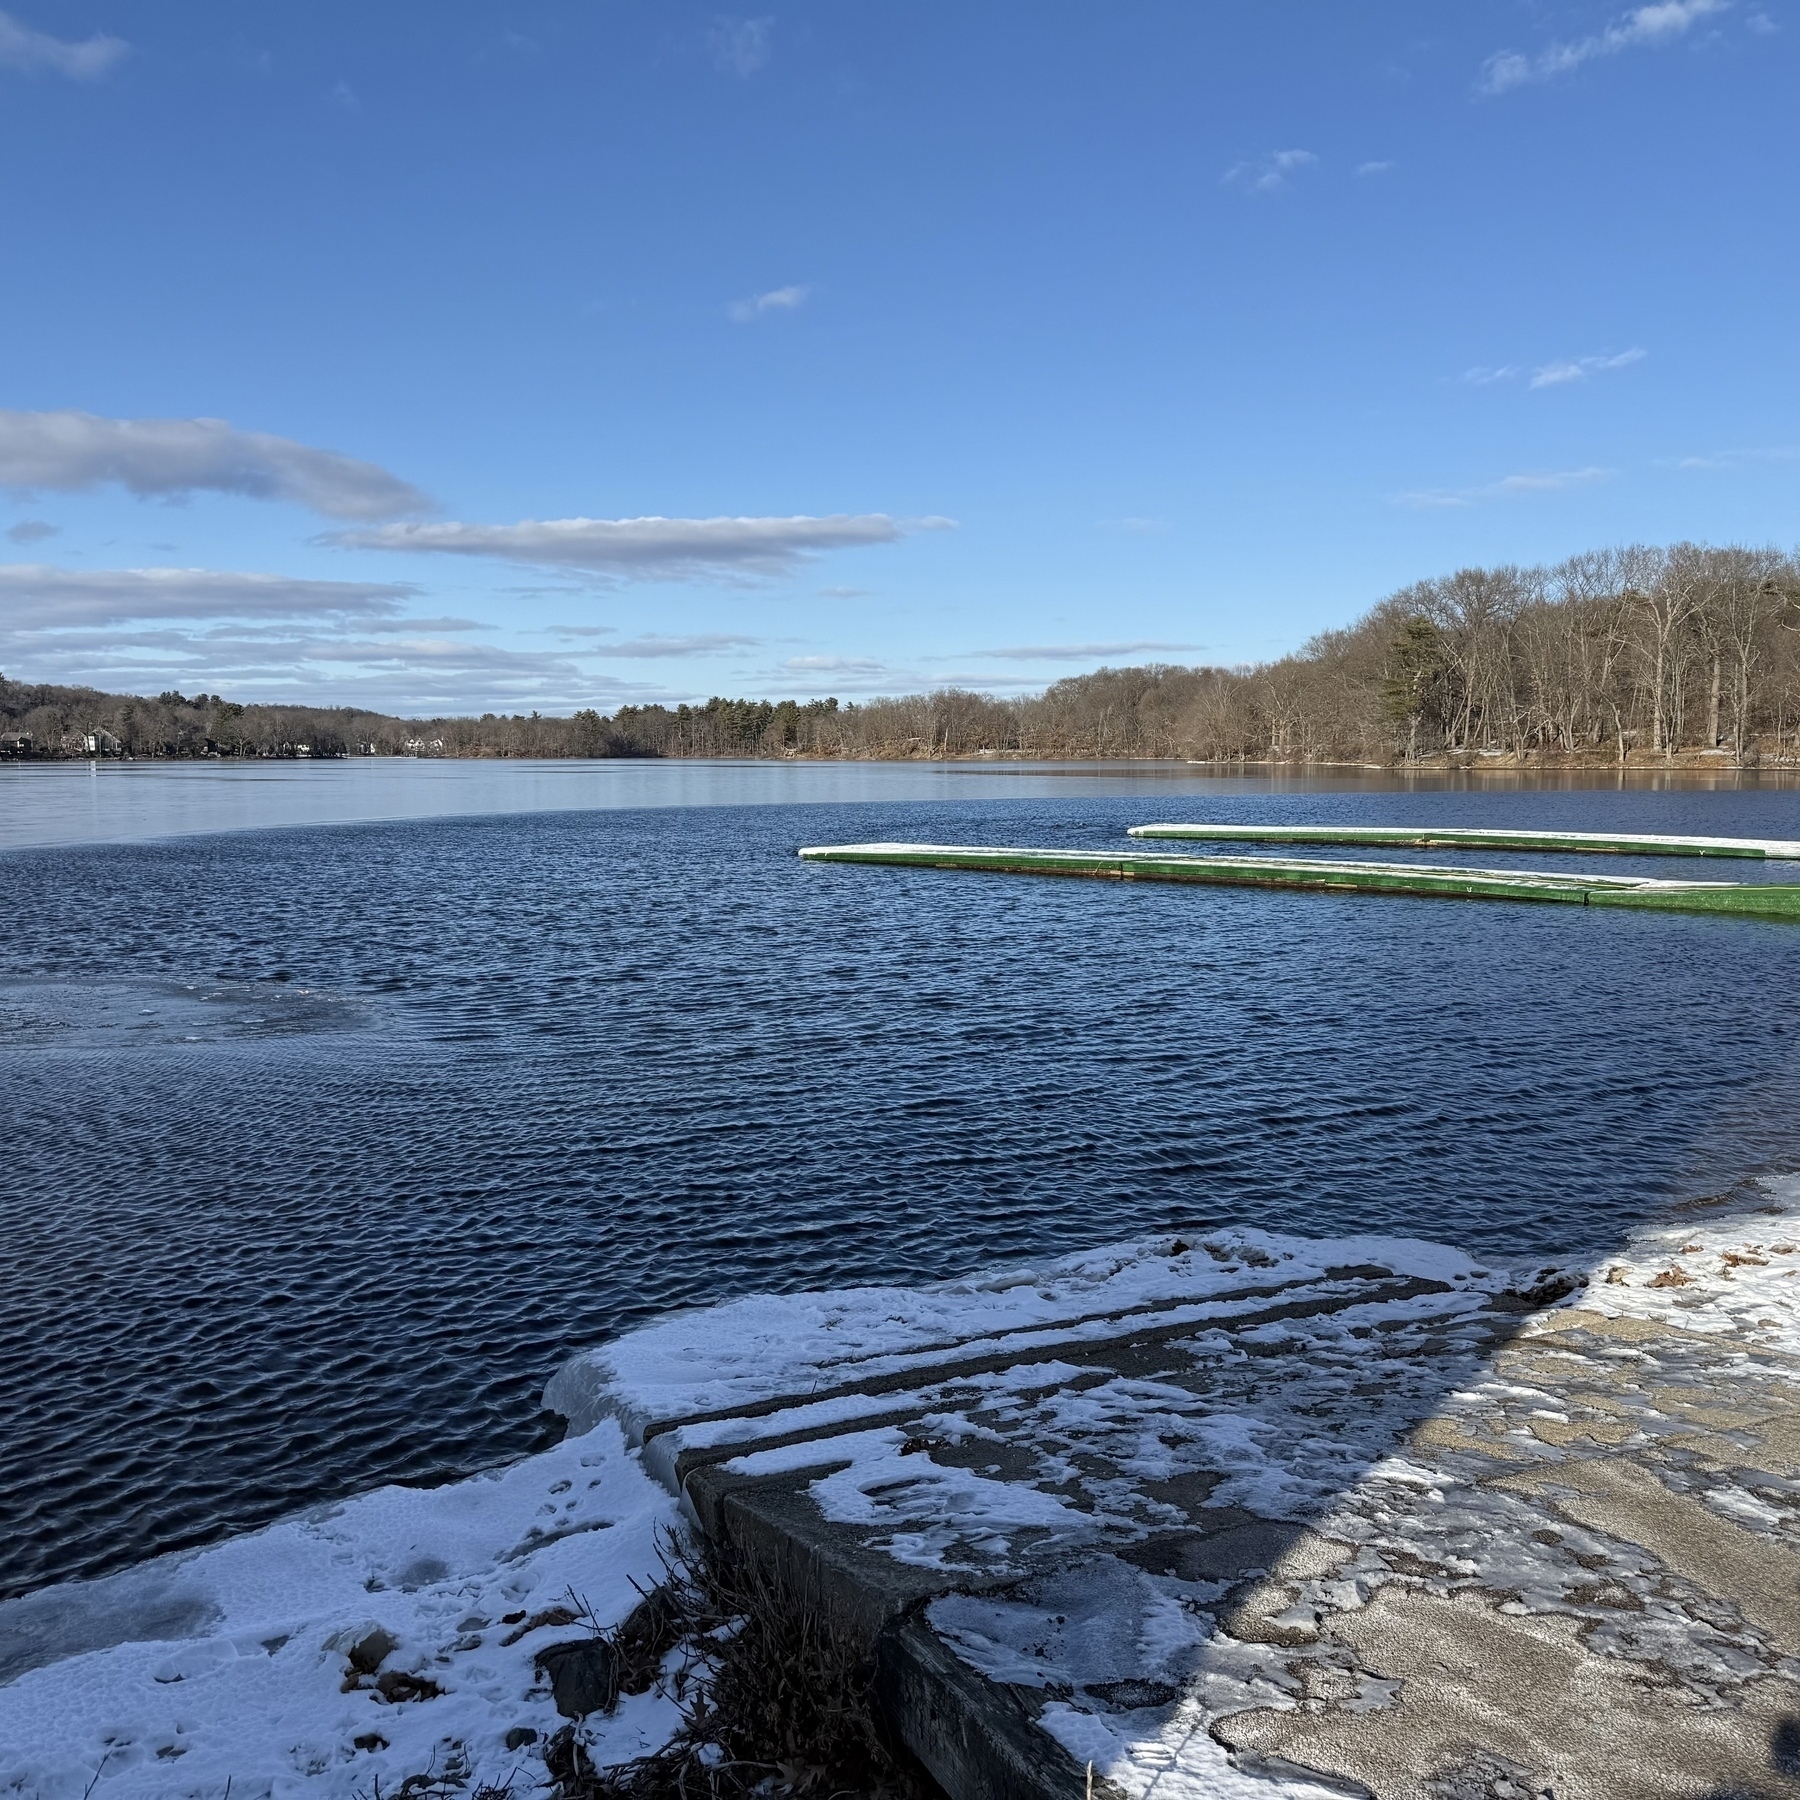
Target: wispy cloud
{"points": [[422, 671], [834, 665], [650, 549], [1267, 174], [845, 593], [1557, 374], [343, 97], [1553, 374], [271, 636], [171, 458], [38, 53], [1508, 487], [1645, 27], [759, 306], [1373, 168], [843, 675], [35, 595], [1076, 652], [1738, 459], [654, 645], [740, 46], [32, 531]]}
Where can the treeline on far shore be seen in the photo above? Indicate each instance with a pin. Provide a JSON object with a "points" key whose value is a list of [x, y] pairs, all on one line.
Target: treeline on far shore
{"points": [[1618, 655]]}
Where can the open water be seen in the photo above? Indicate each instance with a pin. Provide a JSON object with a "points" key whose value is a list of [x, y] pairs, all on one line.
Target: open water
{"points": [[322, 1145]]}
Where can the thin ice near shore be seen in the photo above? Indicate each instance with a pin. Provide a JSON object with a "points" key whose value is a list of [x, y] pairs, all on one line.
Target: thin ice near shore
{"points": [[231, 1663]]}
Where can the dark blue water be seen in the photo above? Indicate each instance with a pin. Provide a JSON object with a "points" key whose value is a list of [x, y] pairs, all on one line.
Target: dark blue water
{"points": [[322, 1147]]}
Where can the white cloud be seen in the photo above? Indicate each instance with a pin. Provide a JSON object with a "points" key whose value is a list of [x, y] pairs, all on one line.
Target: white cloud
{"points": [[650, 549], [1548, 481], [409, 673], [168, 458], [836, 674], [1556, 374], [1265, 174], [1373, 168], [741, 46], [758, 306], [1077, 652], [35, 595], [35, 52], [834, 665], [1737, 459], [845, 593], [327, 642], [652, 644], [1645, 27]]}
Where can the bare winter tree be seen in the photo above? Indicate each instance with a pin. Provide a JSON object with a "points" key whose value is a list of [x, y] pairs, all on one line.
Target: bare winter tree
{"points": [[1621, 653]]}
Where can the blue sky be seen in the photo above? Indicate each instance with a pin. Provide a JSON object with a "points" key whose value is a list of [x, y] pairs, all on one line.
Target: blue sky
{"points": [[460, 356]]}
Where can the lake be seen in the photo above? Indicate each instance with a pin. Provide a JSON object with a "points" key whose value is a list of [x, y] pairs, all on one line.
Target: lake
{"points": [[340, 1102]]}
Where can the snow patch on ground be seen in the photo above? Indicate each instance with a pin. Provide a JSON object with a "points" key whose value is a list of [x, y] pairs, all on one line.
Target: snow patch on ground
{"points": [[229, 1663]]}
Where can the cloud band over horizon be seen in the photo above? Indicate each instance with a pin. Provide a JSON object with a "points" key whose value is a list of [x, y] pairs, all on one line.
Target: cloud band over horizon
{"points": [[71, 452], [651, 548], [34, 596]]}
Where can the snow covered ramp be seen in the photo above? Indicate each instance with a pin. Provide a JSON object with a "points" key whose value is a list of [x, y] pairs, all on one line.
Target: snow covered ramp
{"points": [[1228, 1514]]}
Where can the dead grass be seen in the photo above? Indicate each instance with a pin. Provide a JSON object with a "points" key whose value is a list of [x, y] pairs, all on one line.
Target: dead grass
{"points": [[773, 1702]]}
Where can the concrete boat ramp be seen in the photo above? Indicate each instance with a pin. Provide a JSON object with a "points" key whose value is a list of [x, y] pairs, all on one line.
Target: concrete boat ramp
{"points": [[1231, 1515]]}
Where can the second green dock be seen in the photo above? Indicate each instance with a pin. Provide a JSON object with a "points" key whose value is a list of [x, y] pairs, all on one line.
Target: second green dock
{"points": [[1753, 899], [1465, 837]]}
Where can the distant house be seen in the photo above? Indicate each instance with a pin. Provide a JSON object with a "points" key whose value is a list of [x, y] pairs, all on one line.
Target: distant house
{"points": [[91, 743], [15, 744]]}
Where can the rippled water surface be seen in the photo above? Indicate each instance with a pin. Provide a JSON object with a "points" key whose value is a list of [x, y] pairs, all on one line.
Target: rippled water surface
{"points": [[321, 1146]]}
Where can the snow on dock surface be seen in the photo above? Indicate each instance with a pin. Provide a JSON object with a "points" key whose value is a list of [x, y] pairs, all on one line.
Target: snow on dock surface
{"points": [[1465, 837], [1240, 1515], [1425, 880], [1228, 1515]]}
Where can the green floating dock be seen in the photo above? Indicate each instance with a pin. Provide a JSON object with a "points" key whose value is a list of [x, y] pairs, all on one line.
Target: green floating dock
{"points": [[1458, 837], [1752, 899]]}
